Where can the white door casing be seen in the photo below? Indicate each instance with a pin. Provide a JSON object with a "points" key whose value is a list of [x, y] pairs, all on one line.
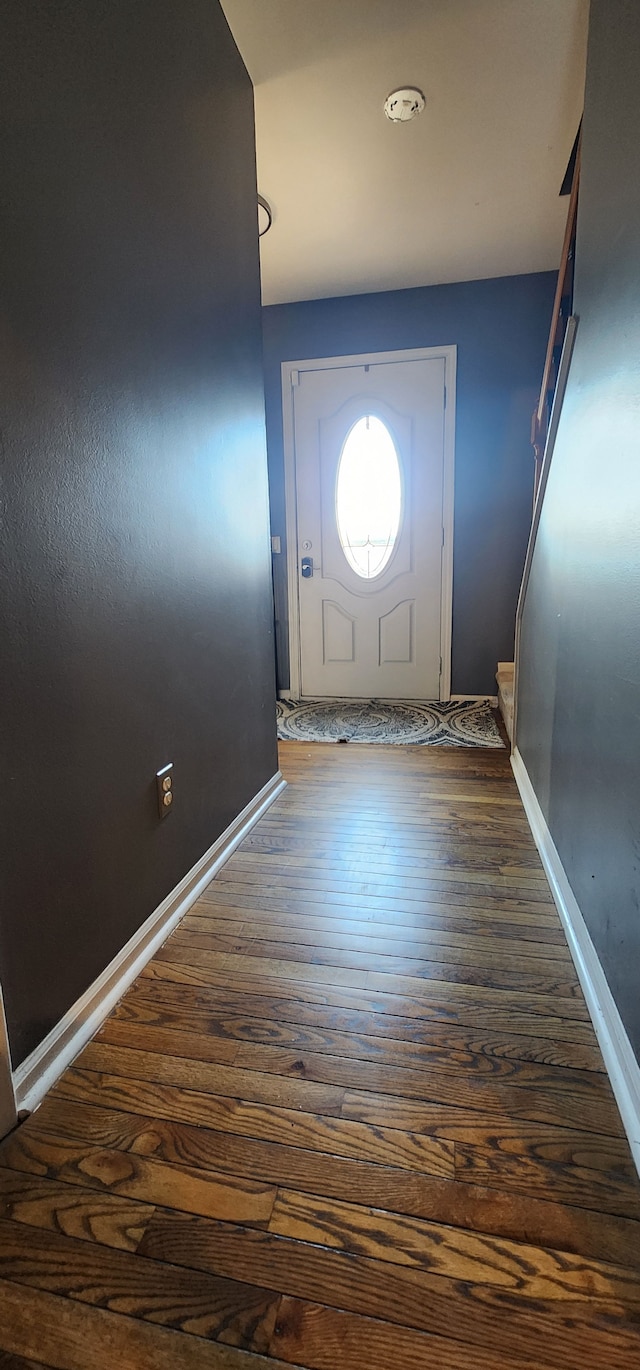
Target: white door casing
{"points": [[389, 636], [8, 1116]]}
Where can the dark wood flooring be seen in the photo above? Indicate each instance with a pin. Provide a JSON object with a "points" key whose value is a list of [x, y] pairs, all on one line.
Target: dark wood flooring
{"points": [[353, 1116]]}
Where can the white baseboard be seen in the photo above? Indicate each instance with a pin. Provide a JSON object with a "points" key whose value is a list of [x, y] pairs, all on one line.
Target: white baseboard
{"points": [[41, 1069], [475, 699], [622, 1067]]}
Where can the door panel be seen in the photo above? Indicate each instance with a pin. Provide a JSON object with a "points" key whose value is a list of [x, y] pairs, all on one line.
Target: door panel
{"points": [[370, 612], [396, 634], [338, 633]]}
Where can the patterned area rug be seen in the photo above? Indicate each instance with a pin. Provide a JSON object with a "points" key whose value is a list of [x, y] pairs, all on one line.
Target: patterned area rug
{"points": [[375, 720]]}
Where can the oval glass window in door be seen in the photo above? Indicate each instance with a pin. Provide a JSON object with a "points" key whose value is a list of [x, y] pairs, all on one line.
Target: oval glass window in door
{"points": [[368, 497]]}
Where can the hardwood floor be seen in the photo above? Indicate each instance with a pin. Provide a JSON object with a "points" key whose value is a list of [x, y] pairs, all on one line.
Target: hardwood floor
{"points": [[353, 1115]]}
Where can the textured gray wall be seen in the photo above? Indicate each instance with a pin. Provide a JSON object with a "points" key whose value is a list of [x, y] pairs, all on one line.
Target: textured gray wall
{"points": [[501, 329], [135, 598], [579, 702]]}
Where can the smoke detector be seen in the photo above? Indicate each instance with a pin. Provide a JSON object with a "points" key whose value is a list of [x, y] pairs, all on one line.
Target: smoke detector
{"points": [[405, 104]]}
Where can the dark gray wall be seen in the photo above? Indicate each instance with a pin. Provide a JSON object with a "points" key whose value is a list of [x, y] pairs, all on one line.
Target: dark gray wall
{"points": [[501, 329], [135, 613], [579, 699]]}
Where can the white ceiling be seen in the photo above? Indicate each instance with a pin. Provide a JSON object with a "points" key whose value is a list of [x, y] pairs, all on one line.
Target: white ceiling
{"points": [[467, 190]]}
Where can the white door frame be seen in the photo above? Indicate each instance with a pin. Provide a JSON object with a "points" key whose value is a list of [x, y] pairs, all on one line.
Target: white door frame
{"points": [[8, 1113], [290, 372]]}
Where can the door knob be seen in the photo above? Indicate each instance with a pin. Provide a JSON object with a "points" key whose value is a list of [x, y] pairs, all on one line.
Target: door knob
{"points": [[307, 567]]}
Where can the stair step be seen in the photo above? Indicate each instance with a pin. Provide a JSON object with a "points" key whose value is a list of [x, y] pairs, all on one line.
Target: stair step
{"points": [[504, 678]]}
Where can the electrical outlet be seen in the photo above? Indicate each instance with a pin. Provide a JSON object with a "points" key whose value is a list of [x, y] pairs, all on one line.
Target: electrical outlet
{"points": [[164, 789]]}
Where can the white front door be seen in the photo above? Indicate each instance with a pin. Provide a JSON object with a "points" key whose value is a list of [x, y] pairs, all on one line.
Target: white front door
{"points": [[369, 444]]}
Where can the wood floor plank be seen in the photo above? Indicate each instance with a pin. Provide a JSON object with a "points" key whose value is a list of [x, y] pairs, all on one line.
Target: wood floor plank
{"points": [[285, 969], [234, 1014], [571, 1008], [454, 784], [466, 866], [520, 1218], [474, 910], [454, 928], [317, 931], [233, 1312], [330, 1338], [75, 1336], [184, 1036], [414, 830], [566, 1334], [529, 976], [407, 892], [334, 1136], [139, 1177], [612, 1190], [473, 1012], [161, 1054], [434, 989], [198, 1074], [500, 849], [440, 837], [296, 852], [540, 1143], [533, 1272], [453, 806], [517, 1136], [391, 893], [351, 786], [105, 1218], [584, 1108], [217, 936], [399, 812], [513, 865], [446, 801]]}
